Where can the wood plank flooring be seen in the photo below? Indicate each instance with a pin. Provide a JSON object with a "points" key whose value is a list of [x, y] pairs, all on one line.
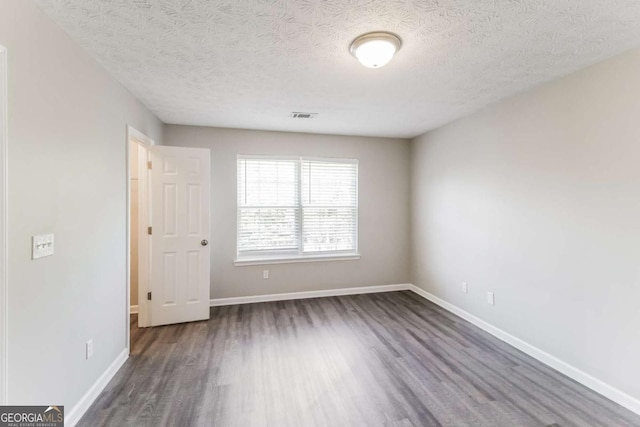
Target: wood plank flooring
{"points": [[389, 359]]}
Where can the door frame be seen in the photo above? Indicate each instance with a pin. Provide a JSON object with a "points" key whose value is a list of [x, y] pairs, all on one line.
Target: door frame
{"points": [[134, 136], [4, 253]]}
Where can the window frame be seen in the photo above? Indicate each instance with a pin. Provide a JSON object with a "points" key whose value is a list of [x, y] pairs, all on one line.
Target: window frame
{"points": [[290, 256]]}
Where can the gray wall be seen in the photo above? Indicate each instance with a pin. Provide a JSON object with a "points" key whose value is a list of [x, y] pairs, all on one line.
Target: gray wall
{"points": [[383, 210], [67, 175], [538, 200]]}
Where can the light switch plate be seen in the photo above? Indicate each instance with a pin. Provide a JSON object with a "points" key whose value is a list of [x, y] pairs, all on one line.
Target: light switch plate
{"points": [[42, 246]]}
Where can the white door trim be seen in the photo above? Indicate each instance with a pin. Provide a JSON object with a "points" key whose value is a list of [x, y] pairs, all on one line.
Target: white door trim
{"points": [[4, 263], [135, 136]]}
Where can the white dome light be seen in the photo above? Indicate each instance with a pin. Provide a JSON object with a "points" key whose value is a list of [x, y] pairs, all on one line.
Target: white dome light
{"points": [[374, 50]]}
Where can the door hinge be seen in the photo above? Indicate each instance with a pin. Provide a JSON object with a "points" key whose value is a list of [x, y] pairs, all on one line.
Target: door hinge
{"points": [[149, 164], [149, 230], [149, 296]]}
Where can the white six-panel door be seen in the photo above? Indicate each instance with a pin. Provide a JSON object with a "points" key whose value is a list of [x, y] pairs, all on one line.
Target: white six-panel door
{"points": [[180, 234]]}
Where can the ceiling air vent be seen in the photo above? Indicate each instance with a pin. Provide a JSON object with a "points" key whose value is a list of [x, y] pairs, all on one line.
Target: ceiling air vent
{"points": [[299, 115]]}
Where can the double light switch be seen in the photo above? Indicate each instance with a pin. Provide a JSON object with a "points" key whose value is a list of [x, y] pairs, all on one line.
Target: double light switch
{"points": [[42, 246]]}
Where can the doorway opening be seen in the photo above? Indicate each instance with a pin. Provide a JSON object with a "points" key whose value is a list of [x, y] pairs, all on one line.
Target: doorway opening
{"points": [[138, 218], [168, 229]]}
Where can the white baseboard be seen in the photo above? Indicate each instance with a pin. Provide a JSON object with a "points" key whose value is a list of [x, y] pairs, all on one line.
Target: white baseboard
{"points": [[309, 294], [570, 371], [73, 416], [133, 309]]}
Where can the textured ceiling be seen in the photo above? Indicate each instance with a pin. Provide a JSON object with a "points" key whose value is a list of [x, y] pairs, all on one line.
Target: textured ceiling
{"points": [[250, 63]]}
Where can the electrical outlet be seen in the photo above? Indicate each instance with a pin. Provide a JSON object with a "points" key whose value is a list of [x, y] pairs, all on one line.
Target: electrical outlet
{"points": [[491, 299], [89, 349], [465, 288], [265, 274]]}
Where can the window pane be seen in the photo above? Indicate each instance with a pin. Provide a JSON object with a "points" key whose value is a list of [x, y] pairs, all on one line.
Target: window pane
{"points": [[280, 198], [329, 229], [264, 229], [266, 182], [327, 183]]}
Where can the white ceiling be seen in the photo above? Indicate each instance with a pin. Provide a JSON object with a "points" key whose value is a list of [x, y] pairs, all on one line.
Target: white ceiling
{"points": [[250, 63]]}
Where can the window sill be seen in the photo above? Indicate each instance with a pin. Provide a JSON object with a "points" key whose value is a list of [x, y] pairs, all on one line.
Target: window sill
{"points": [[295, 259]]}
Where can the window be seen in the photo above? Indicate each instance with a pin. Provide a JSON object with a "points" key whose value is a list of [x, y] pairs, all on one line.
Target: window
{"points": [[296, 208]]}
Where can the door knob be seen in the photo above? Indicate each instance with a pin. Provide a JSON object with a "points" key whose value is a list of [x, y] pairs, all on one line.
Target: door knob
{"points": [[204, 242]]}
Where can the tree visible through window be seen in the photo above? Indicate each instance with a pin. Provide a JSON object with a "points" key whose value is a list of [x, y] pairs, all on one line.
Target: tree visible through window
{"points": [[296, 206]]}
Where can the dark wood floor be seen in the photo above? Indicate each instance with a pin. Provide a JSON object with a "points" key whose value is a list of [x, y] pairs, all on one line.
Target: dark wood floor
{"points": [[390, 359]]}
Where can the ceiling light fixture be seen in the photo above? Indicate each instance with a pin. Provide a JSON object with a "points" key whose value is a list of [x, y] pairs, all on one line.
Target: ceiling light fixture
{"points": [[375, 50]]}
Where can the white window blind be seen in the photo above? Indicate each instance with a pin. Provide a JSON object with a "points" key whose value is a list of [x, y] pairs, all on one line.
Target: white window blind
{"points": [[296, 207], [268, 206], [329, 205]]}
